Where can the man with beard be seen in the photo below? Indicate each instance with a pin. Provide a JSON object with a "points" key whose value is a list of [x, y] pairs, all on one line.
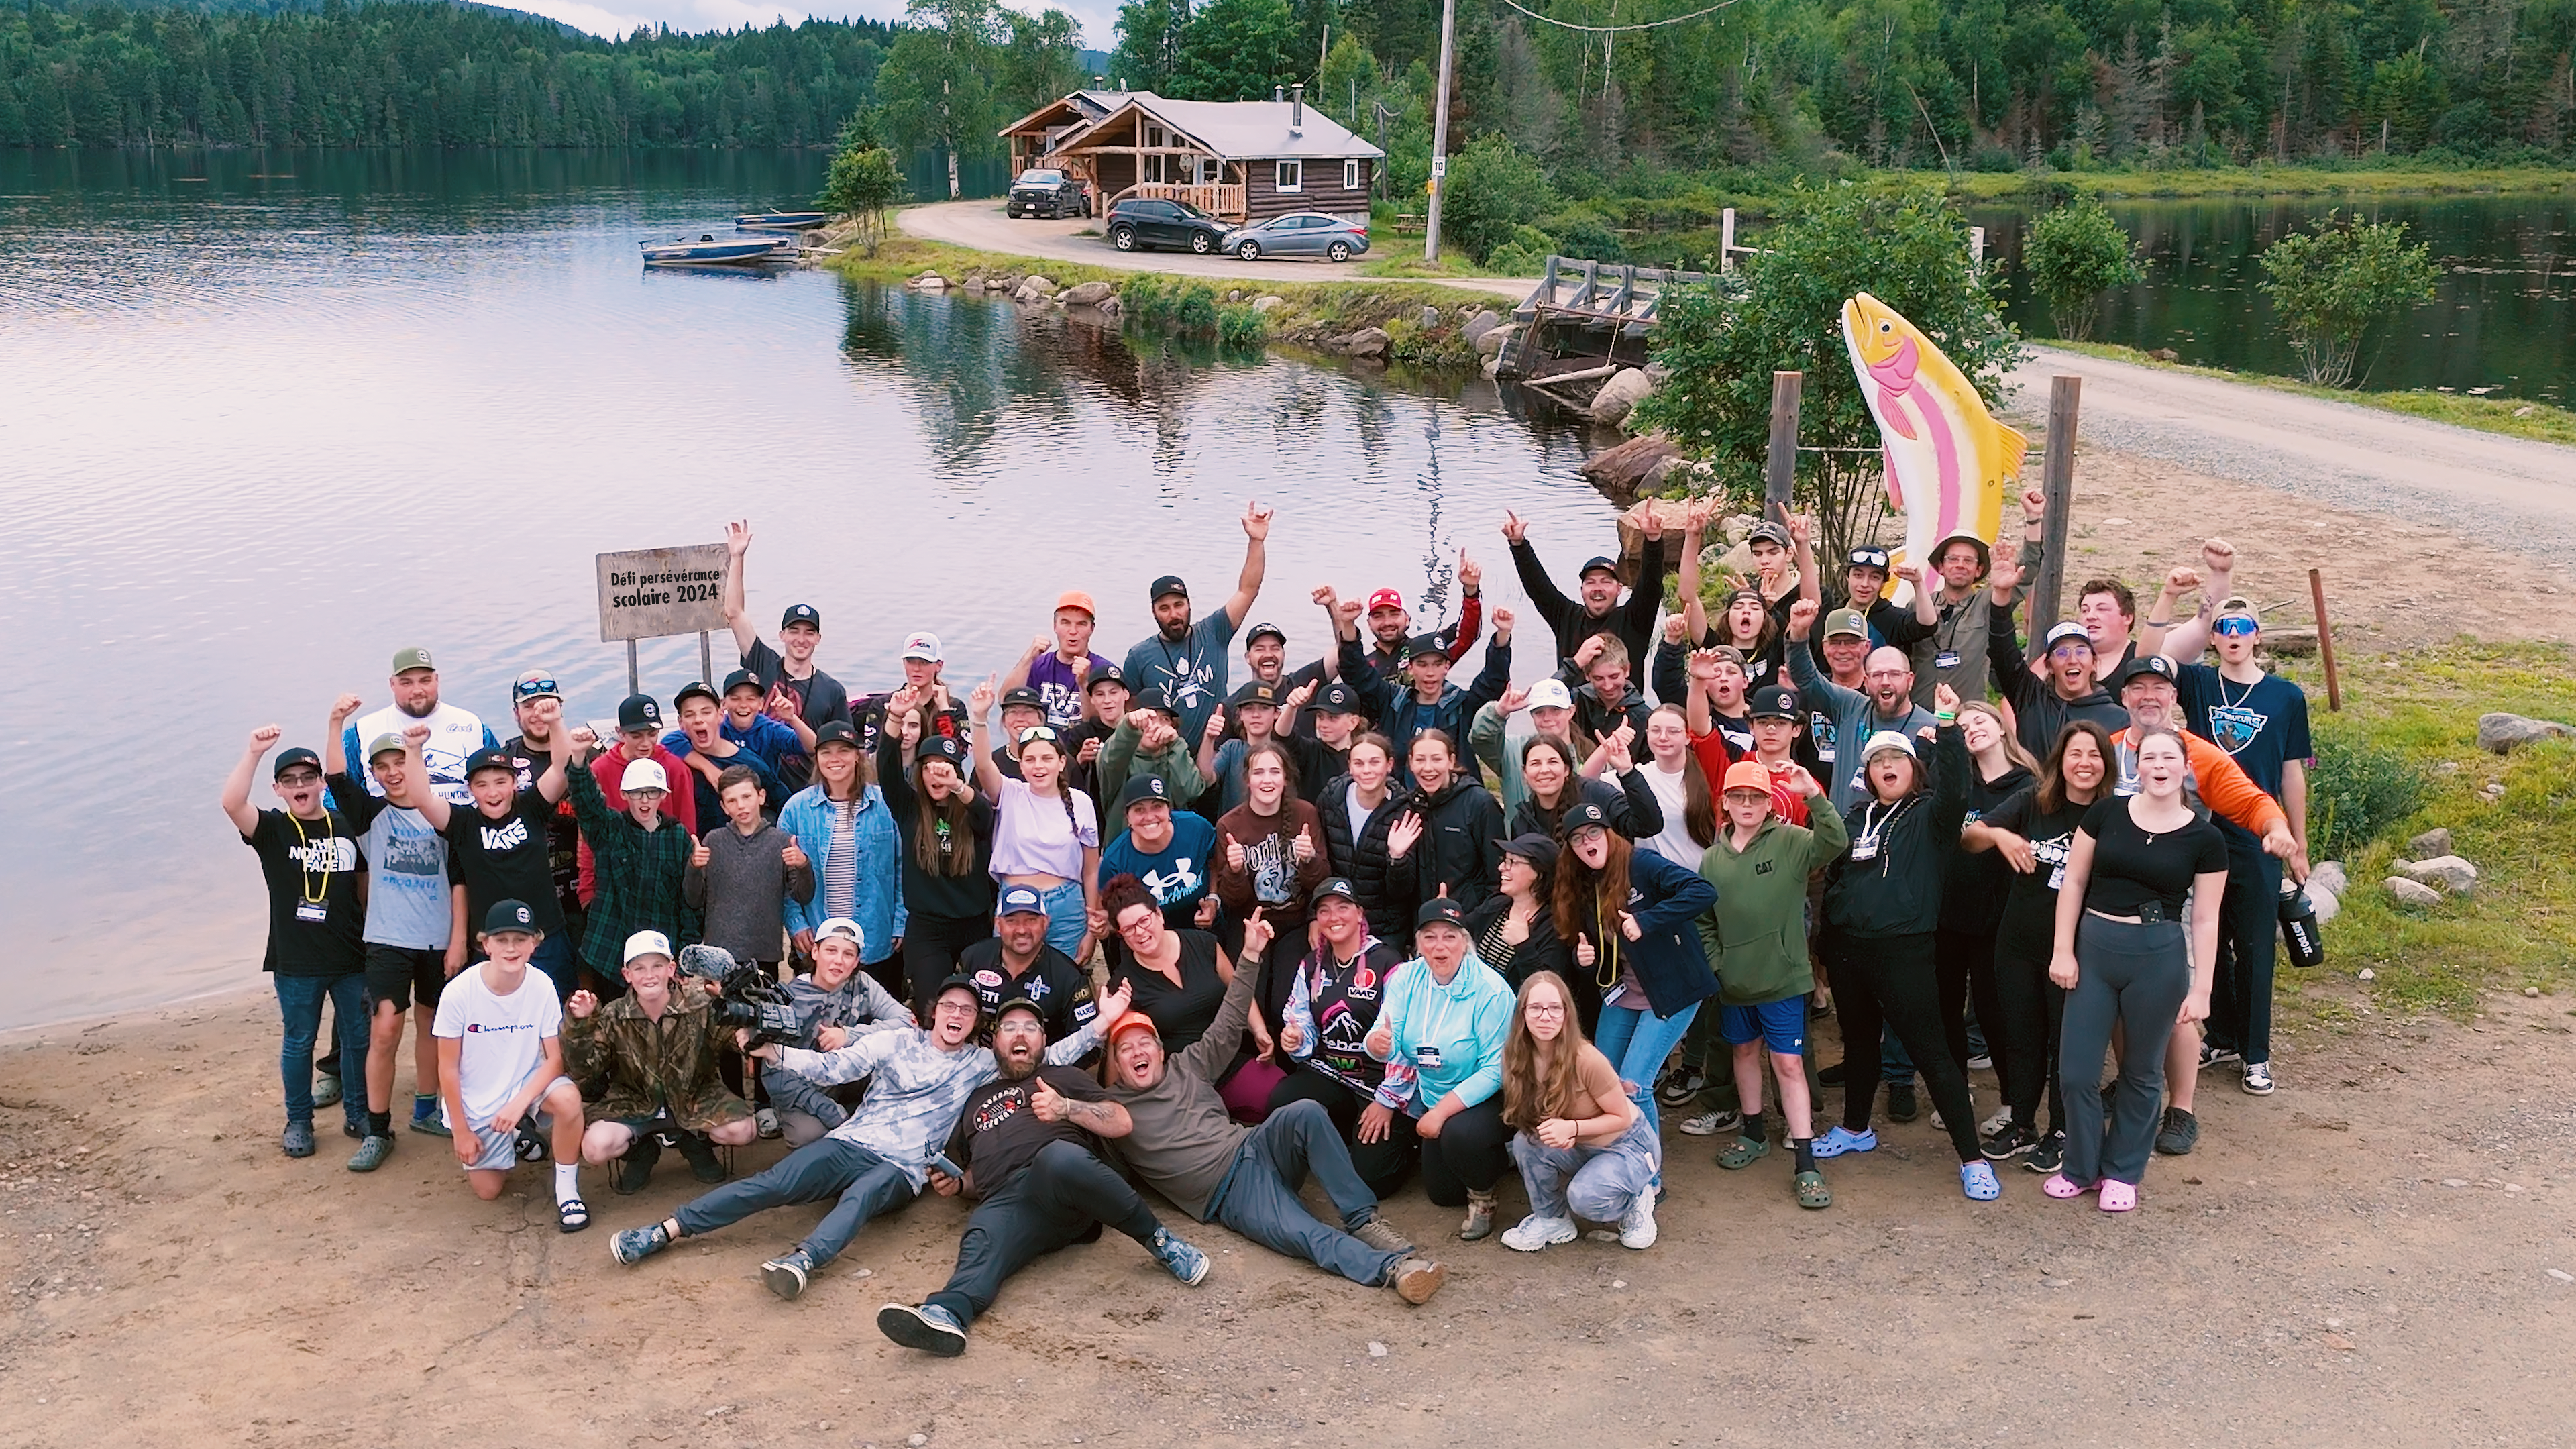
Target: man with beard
{"points": [[1598, 611], [1027, 1142], [787, 672], [1017, 964], [454, 734], [2070, 690], [1884, 700], [1185, 662]]}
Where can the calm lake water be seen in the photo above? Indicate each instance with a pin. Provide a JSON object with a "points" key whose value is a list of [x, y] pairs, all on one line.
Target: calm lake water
{"points": [[261, 429], [2504, 318]]}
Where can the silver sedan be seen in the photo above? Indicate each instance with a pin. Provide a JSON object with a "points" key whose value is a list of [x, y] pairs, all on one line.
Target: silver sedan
{"points": [[1301, 233]]}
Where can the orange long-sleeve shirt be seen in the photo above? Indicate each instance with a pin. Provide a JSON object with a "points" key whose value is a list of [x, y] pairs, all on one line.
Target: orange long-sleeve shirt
{"points": [[2224, 785]]}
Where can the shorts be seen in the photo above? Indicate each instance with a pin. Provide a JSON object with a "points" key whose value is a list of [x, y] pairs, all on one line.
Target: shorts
{"points": [[1779, 1025], [500, 1153], [404, 975]]}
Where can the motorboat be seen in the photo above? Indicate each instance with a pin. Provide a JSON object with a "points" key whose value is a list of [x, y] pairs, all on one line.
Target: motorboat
{"points": [[707, 251], [776, 220]]}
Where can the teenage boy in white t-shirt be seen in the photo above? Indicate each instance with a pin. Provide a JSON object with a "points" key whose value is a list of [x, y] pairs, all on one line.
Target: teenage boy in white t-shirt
{"points": [[501, 1062]]}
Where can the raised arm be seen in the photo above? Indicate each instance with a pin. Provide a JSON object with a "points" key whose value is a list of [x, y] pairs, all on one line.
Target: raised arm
{"points": [[1646, 600], [416, 787], [236, 796], [736, 617], [1496, 676], [2005, 662], [1471, 606], [2190, 639], [1811, 681], [1209, 1055], [1256, 560], [1694, 613], [1544, 596], [979, 711]]}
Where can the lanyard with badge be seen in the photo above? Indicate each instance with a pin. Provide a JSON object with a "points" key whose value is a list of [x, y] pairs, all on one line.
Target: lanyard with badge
{"points": [[314, 903], [1865, 845]]}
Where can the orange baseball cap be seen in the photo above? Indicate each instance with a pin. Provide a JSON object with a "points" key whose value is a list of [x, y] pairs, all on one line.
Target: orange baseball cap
{"points": [[1749, 775], [1077, 599], [1131, 1020]]}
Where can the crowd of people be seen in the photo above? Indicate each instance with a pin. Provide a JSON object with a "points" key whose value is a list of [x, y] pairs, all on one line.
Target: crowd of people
{"points": [[1052, 934]]}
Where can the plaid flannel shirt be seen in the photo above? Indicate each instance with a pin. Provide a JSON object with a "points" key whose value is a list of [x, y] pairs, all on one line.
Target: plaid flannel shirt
{"points": [[640, 874]]}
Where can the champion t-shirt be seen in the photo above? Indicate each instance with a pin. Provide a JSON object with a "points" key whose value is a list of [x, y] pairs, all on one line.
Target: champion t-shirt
{"points": [[315, 924], [506, 859], [502, 1036]]}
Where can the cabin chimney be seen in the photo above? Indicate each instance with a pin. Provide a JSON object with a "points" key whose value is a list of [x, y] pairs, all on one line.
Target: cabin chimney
{"points": [[1278, 93], [1297, 111]]}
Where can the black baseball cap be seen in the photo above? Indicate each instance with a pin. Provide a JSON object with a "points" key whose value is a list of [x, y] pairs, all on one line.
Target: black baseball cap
{"points": [[1869, 558], [2144, 665], [1773, 701], [639, 712], [1440, 911], [742, 678], [1333, 887], [959, 981], [1769, 530], [1105, 674], [1583, 817], [1148, 698], [1337, 698], [1273, 630], [1256, 692], [288, 759], [695, 689], [1025, 696], [1141, 788], [1021, 1003], [1601, 562], [800, 614], [1421, 644], [481, 760], [1533, 847], [934, 747], [508, 917], [1166, 586], [837, 732]]}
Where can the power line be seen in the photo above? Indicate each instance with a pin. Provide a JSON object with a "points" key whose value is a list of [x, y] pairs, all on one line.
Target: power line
{"points": [[1616, 29]]}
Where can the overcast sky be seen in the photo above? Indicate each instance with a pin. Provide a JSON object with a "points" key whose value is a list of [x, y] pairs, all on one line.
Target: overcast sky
{"points": [[1098, 18]]}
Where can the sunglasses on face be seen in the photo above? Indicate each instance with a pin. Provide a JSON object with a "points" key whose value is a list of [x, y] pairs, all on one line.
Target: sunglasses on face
{"points": [[2234, 626]]}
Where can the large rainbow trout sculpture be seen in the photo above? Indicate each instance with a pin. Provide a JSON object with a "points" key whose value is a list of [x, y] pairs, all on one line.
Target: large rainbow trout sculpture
{"points": [[1947, 457]]}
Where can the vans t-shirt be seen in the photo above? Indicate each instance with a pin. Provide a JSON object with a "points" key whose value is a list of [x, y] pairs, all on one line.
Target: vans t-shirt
{"points": [[505, 859], [502, 1036]]}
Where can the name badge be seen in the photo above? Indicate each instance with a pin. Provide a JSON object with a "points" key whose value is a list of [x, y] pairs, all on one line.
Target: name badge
{"points": [[1946, 659], [1426, 1055], [1864, 850], [313, 910]]}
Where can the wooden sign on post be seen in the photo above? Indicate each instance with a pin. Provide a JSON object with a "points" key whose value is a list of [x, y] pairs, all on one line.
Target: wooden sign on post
{"points": [[651, 593]]}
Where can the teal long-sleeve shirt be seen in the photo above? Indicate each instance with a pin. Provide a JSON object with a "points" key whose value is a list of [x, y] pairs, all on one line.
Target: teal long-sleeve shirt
{"points": [[1447, 1038]]}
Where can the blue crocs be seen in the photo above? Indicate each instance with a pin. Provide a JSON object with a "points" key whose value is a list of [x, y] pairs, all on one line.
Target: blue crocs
{"points": [[1843, 1139], [1977, 1180]]}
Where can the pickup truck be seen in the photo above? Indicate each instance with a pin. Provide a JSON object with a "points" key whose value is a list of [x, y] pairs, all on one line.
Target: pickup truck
{"points": [[1049, 193]]}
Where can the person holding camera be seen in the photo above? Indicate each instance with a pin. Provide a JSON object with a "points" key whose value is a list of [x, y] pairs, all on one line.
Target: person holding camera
{"points": [[834, 1005], [646, 1064]]}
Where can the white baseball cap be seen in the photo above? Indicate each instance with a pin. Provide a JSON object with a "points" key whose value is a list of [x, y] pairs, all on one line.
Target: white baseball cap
{"points": [[646, 943], [1550, 694], [1884, 741], [922, 645], [644, 775], [842, 928]]}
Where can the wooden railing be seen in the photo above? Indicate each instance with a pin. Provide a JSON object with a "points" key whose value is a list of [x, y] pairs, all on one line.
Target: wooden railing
{"points": [[1221, 200]]}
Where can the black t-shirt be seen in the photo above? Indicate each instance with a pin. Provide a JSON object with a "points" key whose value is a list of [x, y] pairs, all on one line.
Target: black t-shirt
{"points": [[2133, 866], [2030, 901], [1181, 1014], [998, 1133], [563, 832], [316, 922], [820, 699], [506, 859], [1061, 989]]}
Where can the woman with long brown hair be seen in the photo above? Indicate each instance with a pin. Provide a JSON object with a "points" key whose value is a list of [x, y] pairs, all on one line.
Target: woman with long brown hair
{"points": [[1552, 773], [1046, 834], [946, 830], [1634, 918], [1681, 788], [1583, 1148], [1972, 891]]}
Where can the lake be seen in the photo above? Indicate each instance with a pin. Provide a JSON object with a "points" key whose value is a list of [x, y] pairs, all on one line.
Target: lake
{"points": [[270, 417]]}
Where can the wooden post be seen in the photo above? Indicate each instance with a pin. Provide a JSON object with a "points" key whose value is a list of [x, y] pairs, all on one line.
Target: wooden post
{"points": [[634, 677], [706, 659], [1726, 240], [1780, 471], [2057, 472], [2325, 641]]}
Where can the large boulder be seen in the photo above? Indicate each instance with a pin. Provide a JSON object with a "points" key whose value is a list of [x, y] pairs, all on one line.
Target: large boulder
{"points": [[1475, 328], [2503, 732], [1619, 396], [1367, 342], [1267, 301], [2330, 875], [1089, 294], [1622, 471], [2448, 874], [2430, 844], [1492, 340], [1111, 306], [928, 282], [2411, 892], [1034, 282]]}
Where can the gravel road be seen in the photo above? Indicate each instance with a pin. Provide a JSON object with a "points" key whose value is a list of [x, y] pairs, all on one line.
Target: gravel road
{"points": [[2506, 492]]}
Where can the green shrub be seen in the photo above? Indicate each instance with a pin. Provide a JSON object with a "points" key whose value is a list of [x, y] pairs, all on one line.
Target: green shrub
{"points": [[1166, 304], [1238, 325], [2075, 254], [1583, 236], [1525, 255], [1409, 341], [2358, 792], [1491, 187]]}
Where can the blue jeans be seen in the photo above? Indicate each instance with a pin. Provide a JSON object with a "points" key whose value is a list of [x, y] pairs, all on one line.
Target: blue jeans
{"points": [[1636, 1041], [555, 958], [1066, 920], [1258, 1197], [299, 1004], [866, 1185]]}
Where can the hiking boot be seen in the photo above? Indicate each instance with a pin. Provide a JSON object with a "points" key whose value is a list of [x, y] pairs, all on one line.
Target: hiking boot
{"points": [[371, 1153], [1185, 1262], [1902, 1104], [635, 1168], [1637, 1224], [1712, 1122], [1416, 1279], [1380, 1234], [2047, 1154], [634, 1245], [928, 1328], [2258, 1079], [297, 1139], [1536, 1232], [2179, 1134], [788, 1274], [700, 1154], [1479, 1222]]}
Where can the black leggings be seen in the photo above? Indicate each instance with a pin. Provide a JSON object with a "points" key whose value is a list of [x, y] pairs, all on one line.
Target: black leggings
{"points": [[2030, 1015], [1471, 1154], [930, 947], [1966, 963], [1382, 1165], [1889, 983]]}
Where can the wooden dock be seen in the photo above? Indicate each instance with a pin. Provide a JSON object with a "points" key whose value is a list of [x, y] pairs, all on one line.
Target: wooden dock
{"points": [[1587, 319]]}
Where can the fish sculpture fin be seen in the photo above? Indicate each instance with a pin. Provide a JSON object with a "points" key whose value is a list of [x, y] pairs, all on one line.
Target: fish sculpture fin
{"points": [[2010, 445], [1891, 411]]}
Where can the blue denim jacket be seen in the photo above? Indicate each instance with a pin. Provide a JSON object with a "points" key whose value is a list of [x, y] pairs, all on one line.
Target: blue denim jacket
{"points": [[877, 905]]}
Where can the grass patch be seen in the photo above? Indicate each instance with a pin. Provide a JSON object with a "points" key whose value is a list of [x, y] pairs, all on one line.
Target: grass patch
{"points": [[2514, 417], [2519, 929]]}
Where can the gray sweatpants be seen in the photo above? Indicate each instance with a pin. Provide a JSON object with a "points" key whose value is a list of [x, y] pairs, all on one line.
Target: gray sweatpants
{"points": [[2135, 975], [1596, 1184], [806, 1109], [1259, 1197]]}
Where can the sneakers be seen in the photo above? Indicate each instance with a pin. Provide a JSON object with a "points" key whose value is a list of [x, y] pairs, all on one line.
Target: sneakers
{"points": [[766, 1120], [1637, 1224], [2258, 1079], [1680, 1085], [787, 1275], [326, 1091], [928, 1328], [297, 1139], [2211, 1054], [1982, 1062], [1537, 1232], [1831, 1076], [1712, 1122], [1842, 1140], [2009, 1143], [1416, 1279], [2179, 1134], [634, 1245], [2046, 1155], [371, 1153], [1380, 1234], [1902, 1104], [635, 1169], [1185, 1262], [1479, 1222], [701, 1157], [1996, 1123]]}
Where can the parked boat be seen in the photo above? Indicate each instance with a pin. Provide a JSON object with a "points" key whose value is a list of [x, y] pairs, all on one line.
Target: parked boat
{"points": [[776, 220], [706, 251]]}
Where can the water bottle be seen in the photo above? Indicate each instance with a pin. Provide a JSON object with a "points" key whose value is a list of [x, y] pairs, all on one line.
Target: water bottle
{"points": [[2299, 936]]}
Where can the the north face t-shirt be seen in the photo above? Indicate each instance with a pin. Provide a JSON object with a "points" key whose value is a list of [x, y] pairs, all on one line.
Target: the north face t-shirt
{"points": [[312, 869]]}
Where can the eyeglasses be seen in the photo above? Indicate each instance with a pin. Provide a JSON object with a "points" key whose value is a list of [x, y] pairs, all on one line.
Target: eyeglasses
{"points": [[299, 778], [1546, 1008], [1142, 926], [2234, 625]]}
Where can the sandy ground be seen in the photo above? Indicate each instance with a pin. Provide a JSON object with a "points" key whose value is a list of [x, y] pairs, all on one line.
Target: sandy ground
{"points": [[2364, 1256]]}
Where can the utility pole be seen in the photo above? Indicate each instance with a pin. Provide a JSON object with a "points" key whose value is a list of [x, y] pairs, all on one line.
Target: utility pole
{"points": [[1440, 130]]}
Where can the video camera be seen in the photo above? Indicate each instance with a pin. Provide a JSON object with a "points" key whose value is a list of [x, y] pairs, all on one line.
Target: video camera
{"points": [[745, 995]]}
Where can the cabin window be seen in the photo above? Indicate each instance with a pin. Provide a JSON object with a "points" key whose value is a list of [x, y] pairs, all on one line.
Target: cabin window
{"points": [[1350, 176], [1291, 176], [1153, 135], [1211, 171], [1154, 168]]}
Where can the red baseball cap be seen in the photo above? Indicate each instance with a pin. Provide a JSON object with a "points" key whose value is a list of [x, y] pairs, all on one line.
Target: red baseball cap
{"points": [[1385, 599]]}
